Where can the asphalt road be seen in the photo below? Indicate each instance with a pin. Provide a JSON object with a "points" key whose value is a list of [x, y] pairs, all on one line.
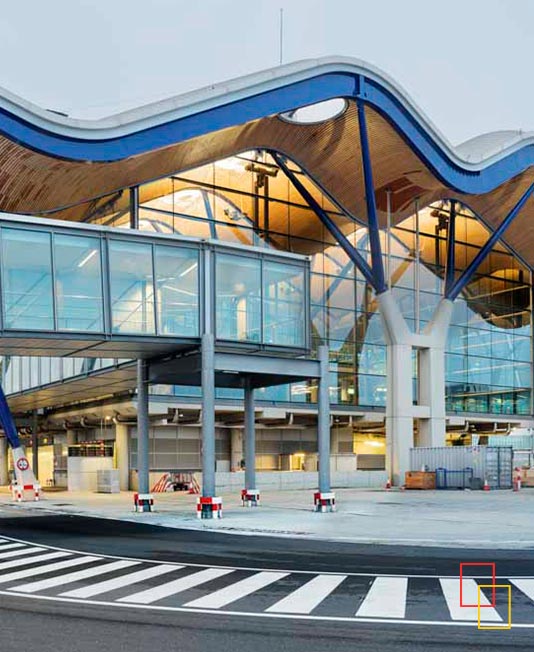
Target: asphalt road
{"points": [[41, 621]]}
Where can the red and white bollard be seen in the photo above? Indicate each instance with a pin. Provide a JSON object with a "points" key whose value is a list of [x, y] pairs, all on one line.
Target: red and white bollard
{"points": [[143, 502], [324, 502], [250, 497], [17, 491], [486, 486], [209, 507], [517, 479]]}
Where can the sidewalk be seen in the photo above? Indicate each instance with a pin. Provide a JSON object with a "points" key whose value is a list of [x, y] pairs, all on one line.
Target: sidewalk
{"points": [[499, 519]]}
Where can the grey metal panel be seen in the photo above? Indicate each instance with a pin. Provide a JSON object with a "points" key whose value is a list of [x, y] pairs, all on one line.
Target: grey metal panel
{"points": [[493, 464], [260, 364]]}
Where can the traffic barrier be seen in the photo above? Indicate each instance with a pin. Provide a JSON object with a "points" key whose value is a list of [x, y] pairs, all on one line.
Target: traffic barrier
{"points": [[17, 491], [143, 502], [250, 497], [486, 486], [209, 507], [324, 502]]}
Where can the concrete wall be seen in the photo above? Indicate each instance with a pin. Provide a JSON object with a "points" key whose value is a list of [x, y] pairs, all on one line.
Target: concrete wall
{"points": [[280, 480]]}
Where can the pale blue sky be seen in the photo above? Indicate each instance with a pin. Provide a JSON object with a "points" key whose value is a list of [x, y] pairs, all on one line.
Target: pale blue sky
{"points": [[466, 62]]}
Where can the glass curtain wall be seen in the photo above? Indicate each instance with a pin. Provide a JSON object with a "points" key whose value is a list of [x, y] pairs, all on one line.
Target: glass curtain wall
{"points": [[247, 200]]}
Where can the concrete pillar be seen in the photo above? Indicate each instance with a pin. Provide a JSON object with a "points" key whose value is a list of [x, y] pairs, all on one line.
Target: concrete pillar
{"points": [[250, 438], [399, 405], [122, 454], [142, 427], [323, 422], [399, 409], [236, 449], [4, 461], [431, 393], [399, 419], [432, 431], [208, 415]]}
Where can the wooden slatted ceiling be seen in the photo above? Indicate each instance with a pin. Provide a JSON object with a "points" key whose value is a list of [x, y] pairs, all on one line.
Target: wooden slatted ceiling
{"points": [[35, 184]]}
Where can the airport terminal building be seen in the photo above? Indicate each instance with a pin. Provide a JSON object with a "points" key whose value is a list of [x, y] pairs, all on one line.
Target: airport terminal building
{"points": [[290, 272]]}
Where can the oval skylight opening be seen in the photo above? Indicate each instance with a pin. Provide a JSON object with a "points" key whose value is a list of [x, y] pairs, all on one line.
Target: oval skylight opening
{"points": [[314, 113]]}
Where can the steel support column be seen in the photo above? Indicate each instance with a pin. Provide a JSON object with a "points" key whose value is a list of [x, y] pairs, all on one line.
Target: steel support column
{"points": [[250, 438], [323, 421], [134, 207], [372, 218], [208, 415], [142, 428], [451, 242]]}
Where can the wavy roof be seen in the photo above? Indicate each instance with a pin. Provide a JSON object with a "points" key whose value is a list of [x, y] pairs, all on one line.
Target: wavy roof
{"points": [[51, 163]]}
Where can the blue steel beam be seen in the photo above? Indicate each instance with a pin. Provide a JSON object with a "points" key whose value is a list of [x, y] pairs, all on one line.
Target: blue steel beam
{"points": [[7, 423], [467, 274], [451, 242], [319, 86], [327, 221], [372, 219]]}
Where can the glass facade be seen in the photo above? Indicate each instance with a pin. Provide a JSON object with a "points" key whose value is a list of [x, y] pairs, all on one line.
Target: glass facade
{"points": [[247, 200]]}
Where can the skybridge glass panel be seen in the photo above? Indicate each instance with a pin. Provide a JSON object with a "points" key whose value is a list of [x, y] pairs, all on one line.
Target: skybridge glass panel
{"points": [[27, 280], [78, 283], [238, 298], [177, 287], [131, 287], [284, 307]]}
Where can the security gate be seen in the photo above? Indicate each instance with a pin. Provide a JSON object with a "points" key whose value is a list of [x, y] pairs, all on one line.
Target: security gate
{"points": [[491, 463]]}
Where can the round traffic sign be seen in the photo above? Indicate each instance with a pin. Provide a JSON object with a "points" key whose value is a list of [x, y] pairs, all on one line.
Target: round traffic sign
{"points": [[23, 464]]}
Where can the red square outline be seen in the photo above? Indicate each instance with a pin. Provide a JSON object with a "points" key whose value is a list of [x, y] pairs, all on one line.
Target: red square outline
{"points": [[477, 563]]}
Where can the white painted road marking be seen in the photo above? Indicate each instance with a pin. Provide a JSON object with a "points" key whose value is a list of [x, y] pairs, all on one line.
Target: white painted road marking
{"points": [[307, 597], [387, 595], [176, 586], [526, 586], [34, 559], [60, 580], [235, 591], [20, 552], [451, 592], [48, 568], [119, 582], [385, 599]]}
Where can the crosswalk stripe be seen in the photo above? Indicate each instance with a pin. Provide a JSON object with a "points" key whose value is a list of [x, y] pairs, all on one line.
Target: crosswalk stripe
{"points": [[307, 597], [237, 590], [11, 546], [34, 559], [525, 585], [49, 583], [385, 599], [451, 592], [47, 568], [19, 553], [175, 586], [119, 582]]}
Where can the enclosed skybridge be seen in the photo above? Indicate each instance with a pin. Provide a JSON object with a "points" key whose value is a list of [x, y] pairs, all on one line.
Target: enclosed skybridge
{"points": [[89, 291], [195, 311]]}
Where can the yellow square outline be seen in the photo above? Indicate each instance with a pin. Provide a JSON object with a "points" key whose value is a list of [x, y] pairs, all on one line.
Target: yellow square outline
{"points": [[495, 586]]}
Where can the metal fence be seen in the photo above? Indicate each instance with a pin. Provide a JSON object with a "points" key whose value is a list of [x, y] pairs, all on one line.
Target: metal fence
{"points": [[491, 463]]}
